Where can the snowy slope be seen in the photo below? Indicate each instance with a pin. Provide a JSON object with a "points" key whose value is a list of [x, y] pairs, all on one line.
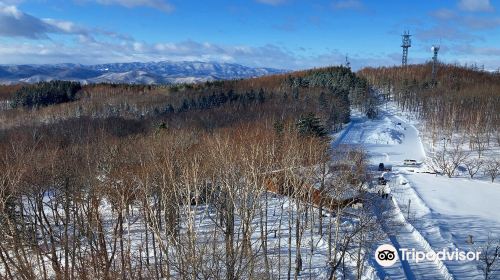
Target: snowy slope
{"points": [[443, 211]]}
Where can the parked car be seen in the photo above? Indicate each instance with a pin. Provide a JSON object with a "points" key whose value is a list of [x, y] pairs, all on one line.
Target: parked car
{"points": [[410, 162]]}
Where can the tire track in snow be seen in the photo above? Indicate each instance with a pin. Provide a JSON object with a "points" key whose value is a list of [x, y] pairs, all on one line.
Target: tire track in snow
{"points": [[408, 236], [403, 235], [391, 272], [417, 235], [426, 224], [343, 134], [422, 241]]}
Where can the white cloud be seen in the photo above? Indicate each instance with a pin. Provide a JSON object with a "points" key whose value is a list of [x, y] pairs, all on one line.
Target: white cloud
{"points": [[472, 50], [10, 2], [59, 26], [481, 23], [448, 32], [468, 22], [91, 46], [94, 52], [16, 23], [156, 4], [476, 5], [444, 14]]}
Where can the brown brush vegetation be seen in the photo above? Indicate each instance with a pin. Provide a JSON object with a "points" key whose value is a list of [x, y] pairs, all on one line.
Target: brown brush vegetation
{"points": [[112, 185], [461, 100]]}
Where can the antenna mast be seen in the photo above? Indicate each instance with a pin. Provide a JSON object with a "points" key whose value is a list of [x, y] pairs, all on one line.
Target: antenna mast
{"points": [[405, 45], [347, 63]]}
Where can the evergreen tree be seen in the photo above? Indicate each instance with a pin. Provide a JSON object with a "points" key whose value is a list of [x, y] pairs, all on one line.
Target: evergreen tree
{"points": [[184, 107], [46, 93], [323, 103], [261, 97], [310, 125]]}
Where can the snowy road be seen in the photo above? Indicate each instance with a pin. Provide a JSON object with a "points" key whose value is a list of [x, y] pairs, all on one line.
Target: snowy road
{"points": [[386, 140], [442, 211]]}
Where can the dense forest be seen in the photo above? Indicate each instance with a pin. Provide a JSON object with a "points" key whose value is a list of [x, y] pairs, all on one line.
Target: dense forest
{"points": [[460, 101], [45, 93], [153, 182], [326, 92]]}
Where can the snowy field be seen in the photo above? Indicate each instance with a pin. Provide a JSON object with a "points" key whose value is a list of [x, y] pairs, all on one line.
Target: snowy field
{"points": [[428, 212]]}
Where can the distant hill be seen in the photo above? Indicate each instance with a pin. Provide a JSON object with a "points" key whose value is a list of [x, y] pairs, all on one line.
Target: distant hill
{"points": [[164, 72]]}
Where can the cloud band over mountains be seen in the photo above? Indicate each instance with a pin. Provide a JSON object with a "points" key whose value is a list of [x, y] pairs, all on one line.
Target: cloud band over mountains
{"points": [[26, 38]]}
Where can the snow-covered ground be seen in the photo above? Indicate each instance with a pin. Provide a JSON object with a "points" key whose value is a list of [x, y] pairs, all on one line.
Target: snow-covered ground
{"points": [[281, 218], [426, 212]]}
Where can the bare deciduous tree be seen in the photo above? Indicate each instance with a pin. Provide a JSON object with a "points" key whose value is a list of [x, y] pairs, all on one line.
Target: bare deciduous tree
{"points": [[473, 166], [492, 168], [448, 160], [489, 257]]}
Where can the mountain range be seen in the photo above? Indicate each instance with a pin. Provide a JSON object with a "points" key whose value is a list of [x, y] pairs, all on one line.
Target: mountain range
{"points": [[164, 72]]}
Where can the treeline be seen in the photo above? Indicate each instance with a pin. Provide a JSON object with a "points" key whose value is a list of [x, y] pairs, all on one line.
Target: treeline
{"points": [[45, 93], [460, 101], [328, 92]]}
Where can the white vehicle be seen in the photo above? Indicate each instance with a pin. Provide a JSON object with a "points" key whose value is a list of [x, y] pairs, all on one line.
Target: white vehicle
{"points": [[410, 162]]}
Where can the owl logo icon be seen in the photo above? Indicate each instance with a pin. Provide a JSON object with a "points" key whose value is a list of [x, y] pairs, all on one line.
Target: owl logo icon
{"points": [[386, 255]]}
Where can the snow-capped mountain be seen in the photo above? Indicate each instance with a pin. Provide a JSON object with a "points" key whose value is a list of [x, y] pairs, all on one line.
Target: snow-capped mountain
{"points": [[164, 72]]}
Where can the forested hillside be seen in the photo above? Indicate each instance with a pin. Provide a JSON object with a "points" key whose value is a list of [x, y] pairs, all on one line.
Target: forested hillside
{"points": [[325, 92], [461, 100], [123, 181]]}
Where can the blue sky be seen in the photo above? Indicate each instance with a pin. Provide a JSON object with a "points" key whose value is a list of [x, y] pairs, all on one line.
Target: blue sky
{"points": [[290, 34]]}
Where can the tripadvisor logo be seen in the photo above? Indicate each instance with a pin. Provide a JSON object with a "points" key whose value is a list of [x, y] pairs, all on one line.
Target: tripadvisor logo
{"points": [[386, 255]]}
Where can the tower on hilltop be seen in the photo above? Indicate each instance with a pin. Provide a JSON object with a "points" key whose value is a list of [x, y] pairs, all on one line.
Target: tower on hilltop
{"points": [[435, 50], [405, 45]]}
